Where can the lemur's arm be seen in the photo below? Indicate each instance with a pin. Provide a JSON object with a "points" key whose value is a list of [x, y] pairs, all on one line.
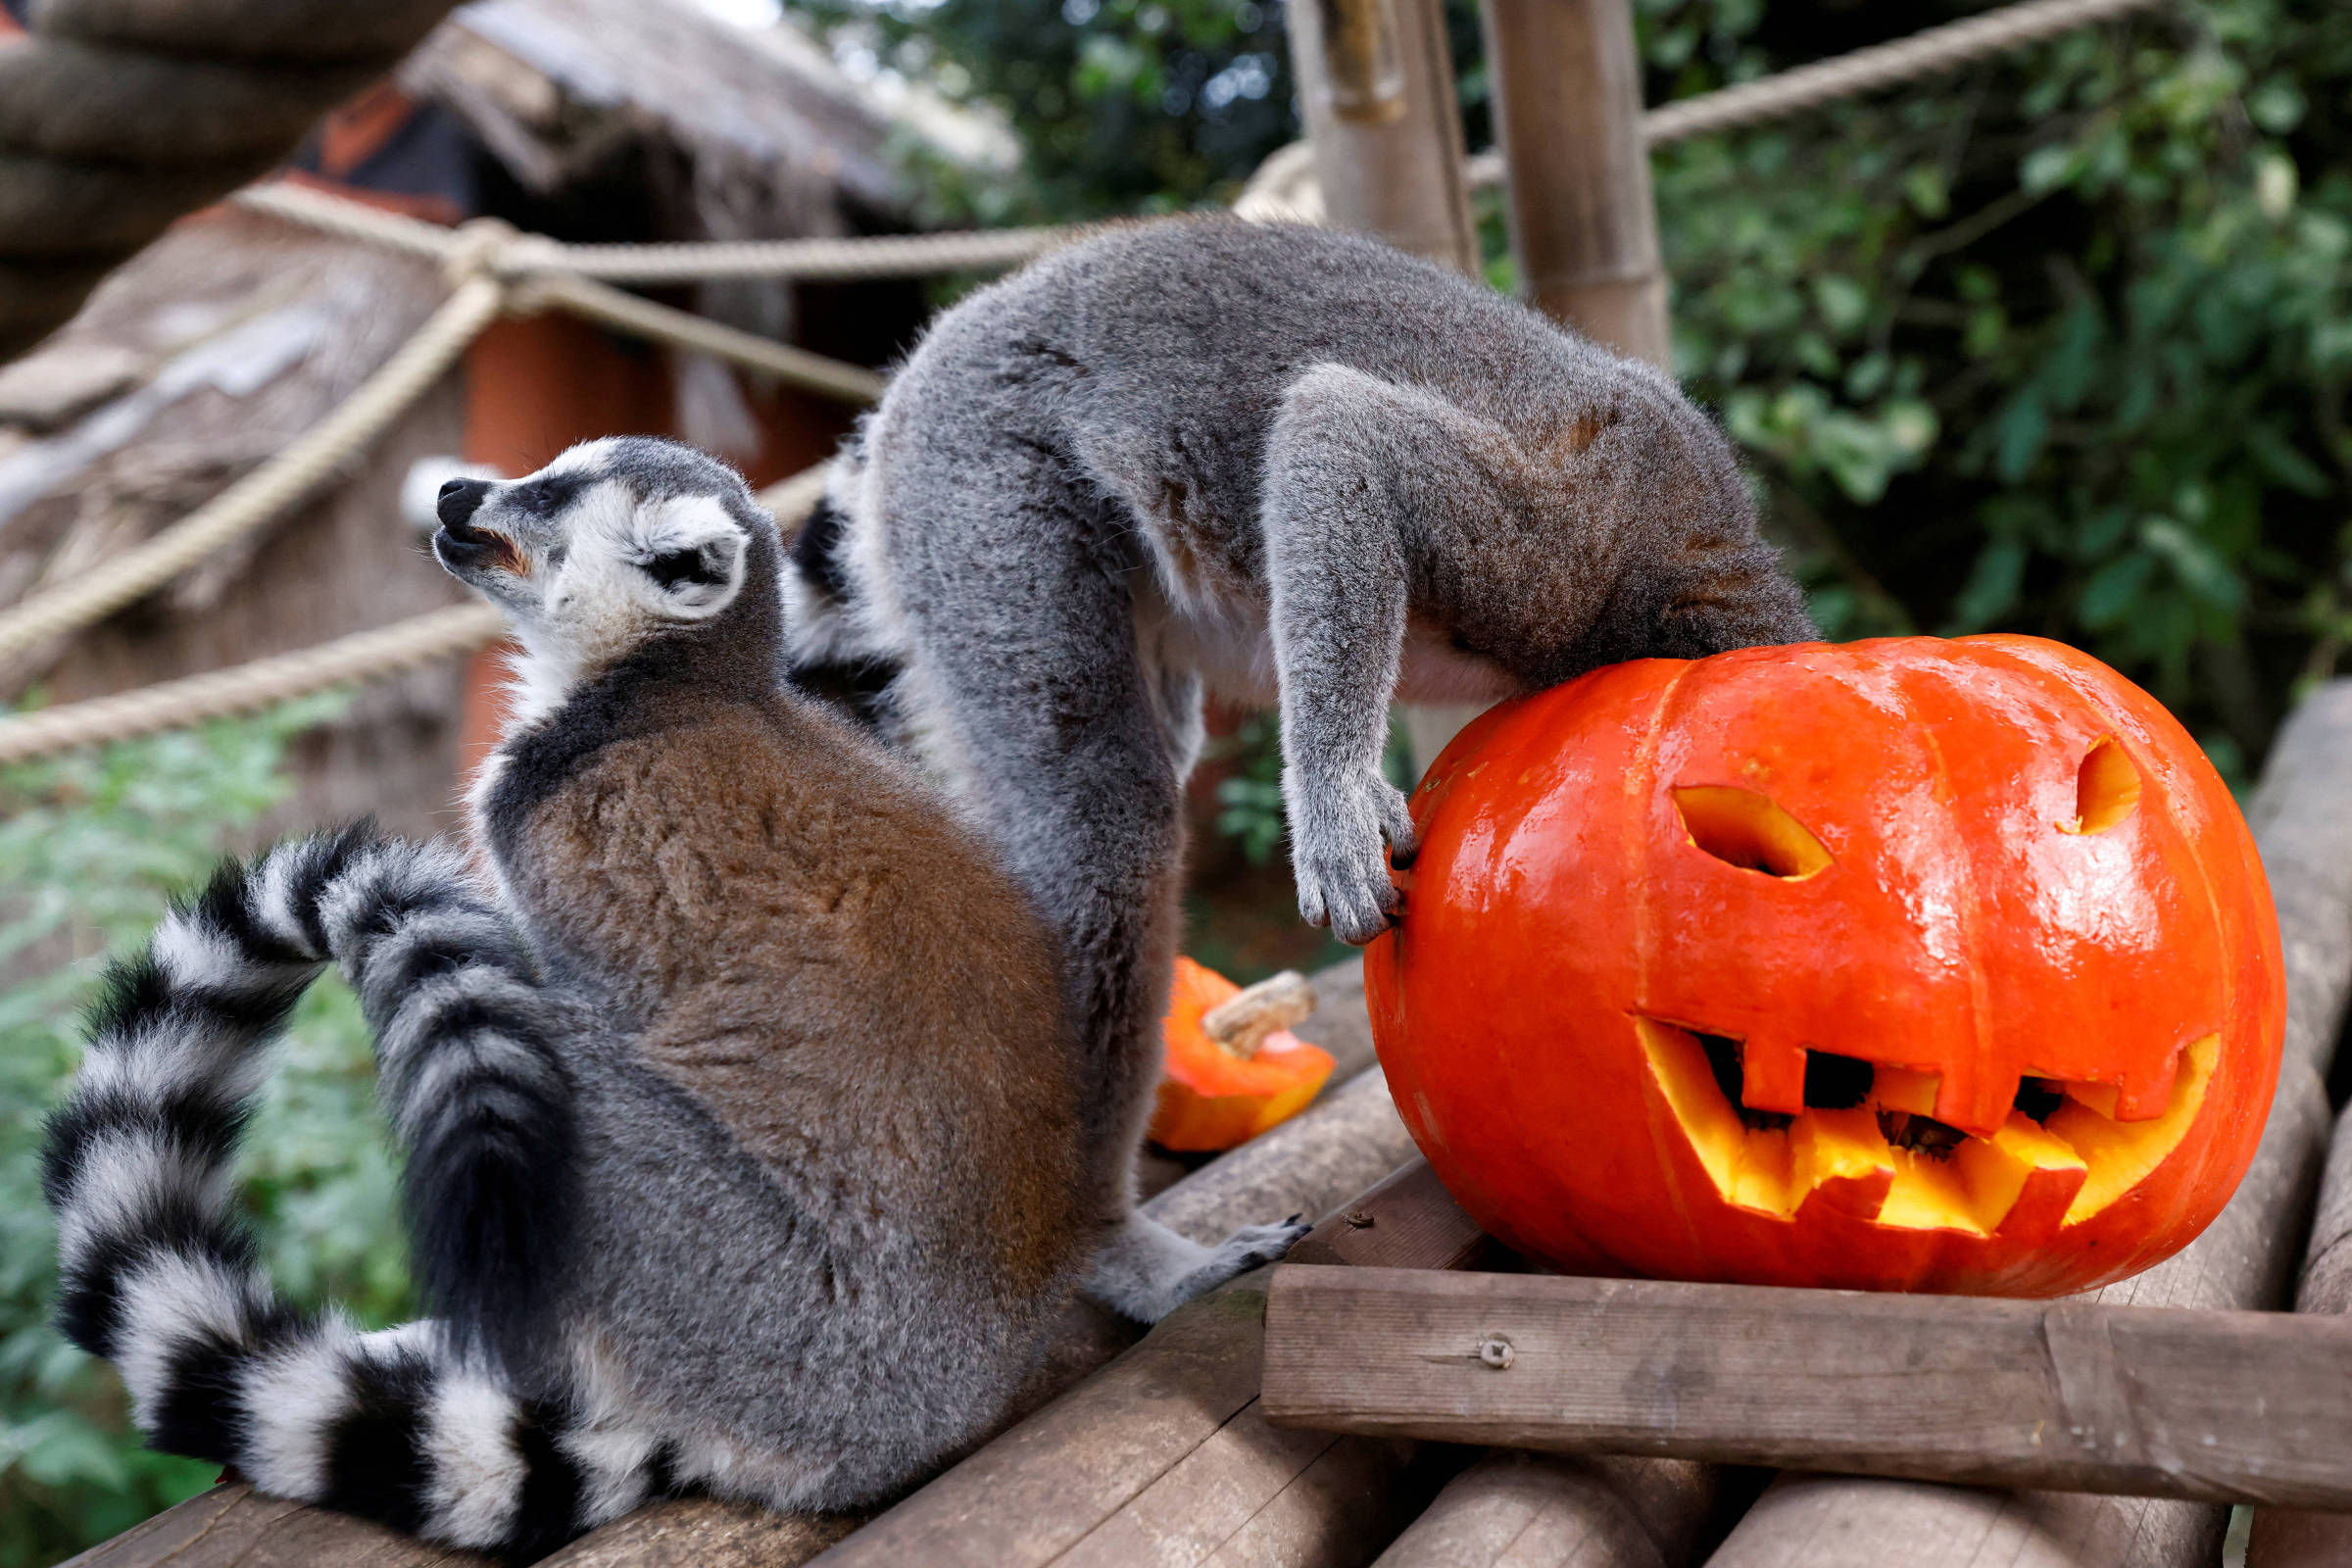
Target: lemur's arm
{"points": [[1346, 455]]}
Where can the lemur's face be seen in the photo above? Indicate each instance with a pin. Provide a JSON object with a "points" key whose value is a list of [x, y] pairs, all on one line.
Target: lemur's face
{"points": [[615, 542]]}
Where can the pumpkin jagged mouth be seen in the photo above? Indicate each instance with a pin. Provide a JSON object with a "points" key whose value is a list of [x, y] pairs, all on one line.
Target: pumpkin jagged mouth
{"points": [[1866, 1144]]}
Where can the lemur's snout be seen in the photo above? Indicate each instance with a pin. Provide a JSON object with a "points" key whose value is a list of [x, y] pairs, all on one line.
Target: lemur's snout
{"points": [[458, 502]]}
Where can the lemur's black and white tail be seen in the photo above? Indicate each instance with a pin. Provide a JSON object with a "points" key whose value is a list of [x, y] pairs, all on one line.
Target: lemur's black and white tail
{"points": [[415, 1426]]}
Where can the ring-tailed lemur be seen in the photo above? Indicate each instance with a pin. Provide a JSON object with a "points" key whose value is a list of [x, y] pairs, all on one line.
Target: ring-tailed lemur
{"points": [[1286, 464], [744, 1147]]}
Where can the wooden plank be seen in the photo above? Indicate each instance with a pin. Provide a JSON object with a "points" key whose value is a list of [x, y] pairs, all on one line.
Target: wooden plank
{"points": [[236, 1527], [2219, 1406], [1568, 116], [1408, 1220], [1162, 1458], [1514, 1509], [2302, 818], [1376, 88]]}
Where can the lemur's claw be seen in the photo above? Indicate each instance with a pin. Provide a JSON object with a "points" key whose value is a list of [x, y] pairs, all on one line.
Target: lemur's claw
{"points": [[1341, 837]]}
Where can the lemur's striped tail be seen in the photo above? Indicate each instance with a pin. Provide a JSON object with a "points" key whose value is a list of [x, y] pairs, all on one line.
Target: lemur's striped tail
{"points": [[417, 1426]]}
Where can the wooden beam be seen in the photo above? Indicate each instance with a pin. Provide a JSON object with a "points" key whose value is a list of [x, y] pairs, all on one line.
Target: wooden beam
{"points": [[2302, 819], [2219, 1406], [1376, 84], [1567, 88]]}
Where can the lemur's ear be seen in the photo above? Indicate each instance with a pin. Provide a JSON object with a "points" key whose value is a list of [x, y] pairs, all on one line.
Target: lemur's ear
{"points": [[693, 551]]}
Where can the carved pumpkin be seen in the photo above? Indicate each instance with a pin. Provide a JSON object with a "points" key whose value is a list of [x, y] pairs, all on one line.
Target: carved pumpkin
{"points": [[1908, 965], [1232, 1068]]}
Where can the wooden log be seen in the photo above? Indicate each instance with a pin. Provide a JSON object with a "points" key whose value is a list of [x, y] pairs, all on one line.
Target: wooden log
{"points": [[1514, 1509], [2302, 818], [1376, 85], [707, 1534], [2218, 1407], [1568, 116]]}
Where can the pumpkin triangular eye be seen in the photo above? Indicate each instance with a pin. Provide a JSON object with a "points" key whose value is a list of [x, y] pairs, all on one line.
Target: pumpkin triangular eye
{"points": [[1749, 831], [2106, 789]]}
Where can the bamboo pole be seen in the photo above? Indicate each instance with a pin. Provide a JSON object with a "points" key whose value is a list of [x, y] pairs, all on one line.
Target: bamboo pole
{"points": [[1376, 84], [1568, 116], [2302, 818]]}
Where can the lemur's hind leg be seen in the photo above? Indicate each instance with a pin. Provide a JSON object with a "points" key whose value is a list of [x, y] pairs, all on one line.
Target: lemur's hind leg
{"points": [[1025, 688]]}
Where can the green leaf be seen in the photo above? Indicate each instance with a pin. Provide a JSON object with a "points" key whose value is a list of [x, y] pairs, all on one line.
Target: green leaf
{"points": [[2114, 589]]}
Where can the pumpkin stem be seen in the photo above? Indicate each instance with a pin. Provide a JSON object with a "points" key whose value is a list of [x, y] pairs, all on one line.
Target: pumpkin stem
{"points": [[1240, 1022]]}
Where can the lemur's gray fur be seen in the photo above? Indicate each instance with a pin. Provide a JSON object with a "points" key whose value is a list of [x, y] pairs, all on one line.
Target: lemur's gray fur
{"points": [[741, 1112], [1281, 464]]}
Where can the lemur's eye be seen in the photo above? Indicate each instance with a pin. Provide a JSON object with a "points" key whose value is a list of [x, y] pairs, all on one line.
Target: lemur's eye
{"points": [[674, 566]]}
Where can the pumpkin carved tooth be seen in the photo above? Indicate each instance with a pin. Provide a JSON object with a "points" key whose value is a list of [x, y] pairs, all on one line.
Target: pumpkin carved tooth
{"points": [[1886, 1159]]}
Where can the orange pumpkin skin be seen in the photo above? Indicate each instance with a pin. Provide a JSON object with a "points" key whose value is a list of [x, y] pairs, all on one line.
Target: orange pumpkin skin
{"points": [[1986, 903], [1210, 1099]]}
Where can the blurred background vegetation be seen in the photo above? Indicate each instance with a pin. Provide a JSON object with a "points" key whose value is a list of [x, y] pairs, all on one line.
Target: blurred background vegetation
{"points": [[90, 847], [2059, 344]]}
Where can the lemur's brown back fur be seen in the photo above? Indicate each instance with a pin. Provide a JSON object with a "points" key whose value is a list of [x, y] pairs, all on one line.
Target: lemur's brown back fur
{"points": [[807, 867]]}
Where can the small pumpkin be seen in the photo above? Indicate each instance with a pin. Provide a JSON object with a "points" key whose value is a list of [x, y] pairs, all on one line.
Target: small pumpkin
{"points": [[1907, 964], [1233, 1068]]}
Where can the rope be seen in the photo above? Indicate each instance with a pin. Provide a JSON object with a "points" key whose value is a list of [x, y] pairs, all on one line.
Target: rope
{"points": [[544, 275], [248, 688], [851, 383], [254, 500], [831, 260], [1887, 65]]}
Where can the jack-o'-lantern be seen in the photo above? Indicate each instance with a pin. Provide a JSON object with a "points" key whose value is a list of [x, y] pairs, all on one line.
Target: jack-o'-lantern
{"points": [[1908, 965]]}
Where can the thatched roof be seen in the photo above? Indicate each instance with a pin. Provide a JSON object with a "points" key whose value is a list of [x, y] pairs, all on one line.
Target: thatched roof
{"points": [[552, 88], [207, 352]]}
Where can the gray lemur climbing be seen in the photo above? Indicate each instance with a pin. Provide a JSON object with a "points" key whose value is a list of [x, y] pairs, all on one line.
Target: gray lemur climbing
{"points": [[1279, 463], [741, 1116]]}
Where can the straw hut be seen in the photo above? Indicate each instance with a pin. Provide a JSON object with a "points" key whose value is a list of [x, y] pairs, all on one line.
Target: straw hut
{"points": [[588, 120]]}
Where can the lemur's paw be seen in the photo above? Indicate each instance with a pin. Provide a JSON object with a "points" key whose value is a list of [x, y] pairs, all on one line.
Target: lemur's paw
{"points": [[1342, 838], [1240, 1252]]}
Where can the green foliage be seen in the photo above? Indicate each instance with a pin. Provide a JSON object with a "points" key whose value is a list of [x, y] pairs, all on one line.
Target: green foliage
{"points": [[2059, 346], [90, 847], [2059, 343]]}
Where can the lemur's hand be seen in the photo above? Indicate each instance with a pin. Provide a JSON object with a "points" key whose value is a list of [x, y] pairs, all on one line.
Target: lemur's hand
{"points": [[1337, 828]]}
